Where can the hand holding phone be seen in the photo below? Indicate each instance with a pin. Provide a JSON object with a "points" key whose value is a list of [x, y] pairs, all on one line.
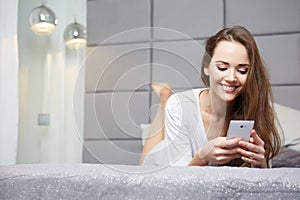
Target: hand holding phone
{"points": [[240, 128]]}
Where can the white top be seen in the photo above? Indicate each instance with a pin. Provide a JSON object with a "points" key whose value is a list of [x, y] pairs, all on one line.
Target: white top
{"points": [[184, 130]]}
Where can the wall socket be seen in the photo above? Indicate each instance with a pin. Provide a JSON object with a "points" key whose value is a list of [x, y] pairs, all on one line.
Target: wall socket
{"points": [[43, 119]]}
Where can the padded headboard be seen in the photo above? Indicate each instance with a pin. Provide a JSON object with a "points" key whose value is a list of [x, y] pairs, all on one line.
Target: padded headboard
{"points": [[124, 57]]}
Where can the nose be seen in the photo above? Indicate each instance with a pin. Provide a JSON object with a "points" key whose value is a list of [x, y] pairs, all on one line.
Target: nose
{"points": [[231, 75]]}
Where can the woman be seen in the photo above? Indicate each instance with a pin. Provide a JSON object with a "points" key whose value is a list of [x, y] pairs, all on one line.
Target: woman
{"points": [[196, 121]]}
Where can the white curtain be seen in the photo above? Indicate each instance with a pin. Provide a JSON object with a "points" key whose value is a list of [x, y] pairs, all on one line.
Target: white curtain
{"points": [[8, 81], [51, 83]]}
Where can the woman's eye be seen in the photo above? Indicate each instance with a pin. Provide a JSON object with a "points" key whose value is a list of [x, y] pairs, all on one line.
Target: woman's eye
{"points": [[243, 71], [221, 68]]}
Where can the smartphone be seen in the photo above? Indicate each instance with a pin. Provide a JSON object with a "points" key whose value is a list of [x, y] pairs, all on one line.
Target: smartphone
{"points": [[240, 128]]}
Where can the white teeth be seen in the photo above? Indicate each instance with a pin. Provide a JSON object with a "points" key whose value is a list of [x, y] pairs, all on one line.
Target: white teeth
{"points": [[227, 88]]}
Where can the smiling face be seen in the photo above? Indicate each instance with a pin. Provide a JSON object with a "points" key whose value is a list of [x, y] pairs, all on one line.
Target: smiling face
{"points": [[228, 70]]}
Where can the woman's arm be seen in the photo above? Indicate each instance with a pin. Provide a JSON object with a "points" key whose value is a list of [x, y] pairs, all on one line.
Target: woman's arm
{"points": [[197, 161], [217, 151], [177, 139]]}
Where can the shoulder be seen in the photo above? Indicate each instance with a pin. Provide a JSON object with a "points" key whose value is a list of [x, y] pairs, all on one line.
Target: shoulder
{"points": [[184, 101], [185, 96]]}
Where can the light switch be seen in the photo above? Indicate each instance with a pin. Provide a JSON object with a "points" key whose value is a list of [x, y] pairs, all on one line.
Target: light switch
{"points": [[43, 119]]}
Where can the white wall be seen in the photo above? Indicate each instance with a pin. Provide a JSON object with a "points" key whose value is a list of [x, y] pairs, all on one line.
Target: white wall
{"points": [[51, 77], [8, 81]]}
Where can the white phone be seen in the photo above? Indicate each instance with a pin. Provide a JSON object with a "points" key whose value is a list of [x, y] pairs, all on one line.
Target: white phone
{"points": [[240, 128]]}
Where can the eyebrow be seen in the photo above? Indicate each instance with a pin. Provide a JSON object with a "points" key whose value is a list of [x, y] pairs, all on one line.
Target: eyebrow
{"points": [[240, 65]]}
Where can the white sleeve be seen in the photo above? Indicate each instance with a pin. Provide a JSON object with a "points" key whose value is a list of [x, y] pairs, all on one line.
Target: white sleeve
{"points": [[178, 143]]}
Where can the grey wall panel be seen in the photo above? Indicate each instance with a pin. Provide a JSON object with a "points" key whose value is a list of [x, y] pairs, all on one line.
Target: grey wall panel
{"points": [[125, 62], [112, 152], [115, 115], [281, 53], [120, 67], [178, 63], [108, 19], [195, 18], [264, 16], [287, 95]]}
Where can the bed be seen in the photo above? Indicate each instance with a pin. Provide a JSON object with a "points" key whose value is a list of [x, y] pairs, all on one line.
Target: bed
{"points": [[100, 181], [93, 181]]}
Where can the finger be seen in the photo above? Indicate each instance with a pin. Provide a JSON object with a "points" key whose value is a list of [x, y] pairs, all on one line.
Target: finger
{"points": [[230, 143], [252, 147], [251, 161], [227, 151], [256, 138], [226, 159], [217, 142], [251, 140], [251, 155]]}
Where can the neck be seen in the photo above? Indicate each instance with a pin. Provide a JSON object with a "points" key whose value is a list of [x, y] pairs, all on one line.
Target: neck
{"points": [[214, 106]]}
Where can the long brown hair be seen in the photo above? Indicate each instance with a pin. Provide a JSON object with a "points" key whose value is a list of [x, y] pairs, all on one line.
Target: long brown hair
{"points": [[256, 100]]}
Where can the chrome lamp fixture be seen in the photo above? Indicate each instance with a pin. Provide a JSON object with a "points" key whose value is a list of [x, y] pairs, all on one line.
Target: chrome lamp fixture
{"points": [[42, 20], [75, 36]]}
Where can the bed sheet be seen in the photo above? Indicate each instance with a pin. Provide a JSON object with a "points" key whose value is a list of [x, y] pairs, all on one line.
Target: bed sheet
{"points": [[96, 181]]}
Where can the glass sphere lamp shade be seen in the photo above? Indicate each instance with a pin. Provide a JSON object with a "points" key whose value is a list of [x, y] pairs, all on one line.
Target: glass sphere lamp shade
{"points": [[75, 36], [42, 20]]}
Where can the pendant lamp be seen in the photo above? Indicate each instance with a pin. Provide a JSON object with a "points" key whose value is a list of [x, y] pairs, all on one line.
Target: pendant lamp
{"points": [[42, 20], [75, 36]]}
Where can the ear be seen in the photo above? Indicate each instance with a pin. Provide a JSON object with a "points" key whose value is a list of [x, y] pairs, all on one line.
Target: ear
{"points": [[206, 70]]}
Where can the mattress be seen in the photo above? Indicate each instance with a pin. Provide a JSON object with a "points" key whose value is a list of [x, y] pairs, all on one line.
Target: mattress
{"points": [[98, 181]]}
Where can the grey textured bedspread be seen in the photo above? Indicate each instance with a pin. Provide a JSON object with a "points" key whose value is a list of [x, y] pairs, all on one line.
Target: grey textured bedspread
{"points": [[92, 181]]}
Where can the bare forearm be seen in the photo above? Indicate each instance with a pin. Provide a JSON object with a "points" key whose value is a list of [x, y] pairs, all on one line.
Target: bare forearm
{"points": [[197, 161]]}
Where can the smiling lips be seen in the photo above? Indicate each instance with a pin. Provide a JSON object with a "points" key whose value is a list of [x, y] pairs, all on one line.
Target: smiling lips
{"points": [[228, 88]]}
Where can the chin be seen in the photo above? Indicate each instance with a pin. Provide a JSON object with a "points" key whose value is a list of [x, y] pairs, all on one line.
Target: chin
{"points": [[229, 97]]}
